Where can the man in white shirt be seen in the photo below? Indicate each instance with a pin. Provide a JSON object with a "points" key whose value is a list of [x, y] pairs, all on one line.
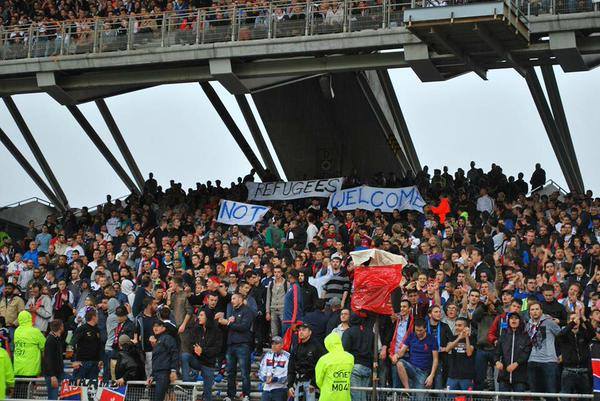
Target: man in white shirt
{"points": [[311, 230], [485, 203], [112, 223]]}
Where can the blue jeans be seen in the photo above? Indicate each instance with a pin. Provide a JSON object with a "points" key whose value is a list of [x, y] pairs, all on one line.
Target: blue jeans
{"points": [[543, 377], [573, 381], [361, 377], [208, 377], [278, 394], [302, 392], [238, 353], [460, 384], [186, 369], [87, 371], [162, 381], [416, 377], [53, 392], [483, 359]]}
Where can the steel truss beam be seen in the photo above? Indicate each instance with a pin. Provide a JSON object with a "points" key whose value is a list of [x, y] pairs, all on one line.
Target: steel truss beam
{"points": [[382, 121], [35, 149], [458, 52], [118, 137], [560, 119], [14, 151], [567, 164], [257, 135], [405, 138], [235, 132], [102, 148]]}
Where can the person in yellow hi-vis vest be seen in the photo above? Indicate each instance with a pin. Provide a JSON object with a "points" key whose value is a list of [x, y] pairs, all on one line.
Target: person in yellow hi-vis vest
{"points": [[333, 370]]}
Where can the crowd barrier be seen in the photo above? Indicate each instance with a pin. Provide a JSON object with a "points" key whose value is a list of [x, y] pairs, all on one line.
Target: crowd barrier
{"points": [[34, 389]]}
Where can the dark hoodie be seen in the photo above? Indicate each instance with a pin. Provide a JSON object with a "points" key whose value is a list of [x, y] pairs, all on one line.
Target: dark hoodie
{"points": [[358, 340], [209, 338], [513, 346]]}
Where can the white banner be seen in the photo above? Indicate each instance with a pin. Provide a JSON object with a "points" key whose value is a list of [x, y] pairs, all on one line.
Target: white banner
{"points": [[267, 191], [243, 214], [371, 198]]}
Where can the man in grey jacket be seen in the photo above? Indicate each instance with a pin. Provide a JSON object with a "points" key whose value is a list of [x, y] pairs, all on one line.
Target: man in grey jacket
{"points": [[542, 367]]}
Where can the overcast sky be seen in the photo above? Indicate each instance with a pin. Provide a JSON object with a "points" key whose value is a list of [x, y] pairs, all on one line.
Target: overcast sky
{"points": [[174, 132]]}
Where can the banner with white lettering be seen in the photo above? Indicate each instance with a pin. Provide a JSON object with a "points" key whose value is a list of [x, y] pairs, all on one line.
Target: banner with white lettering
{"points": [[243, 214], [268, 191], [371, 198]]}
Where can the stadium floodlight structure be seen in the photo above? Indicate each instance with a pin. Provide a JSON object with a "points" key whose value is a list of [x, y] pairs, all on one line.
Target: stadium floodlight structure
{"points": [[321, 87]]}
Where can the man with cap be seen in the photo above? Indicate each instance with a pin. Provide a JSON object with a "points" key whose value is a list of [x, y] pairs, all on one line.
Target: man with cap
{"points": [[273, 372], [129, 362], [165, 360], [335, 307], [304, 358]]}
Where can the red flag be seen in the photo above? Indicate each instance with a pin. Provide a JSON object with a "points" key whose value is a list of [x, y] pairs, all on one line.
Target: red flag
{"points": [[373, 287]]}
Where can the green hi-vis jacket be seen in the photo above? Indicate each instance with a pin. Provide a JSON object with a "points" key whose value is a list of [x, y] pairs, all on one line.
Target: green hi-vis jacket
{"points": [[7, 378], [333, 371], [29, 345]]}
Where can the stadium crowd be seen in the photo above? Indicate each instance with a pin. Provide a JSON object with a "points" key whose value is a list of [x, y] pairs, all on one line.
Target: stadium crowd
{"points": [[501, 293]]}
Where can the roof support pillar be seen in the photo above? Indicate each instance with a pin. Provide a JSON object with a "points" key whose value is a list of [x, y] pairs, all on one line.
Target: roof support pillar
{"points": [[118, 137], [234, 130], [35, 149]]}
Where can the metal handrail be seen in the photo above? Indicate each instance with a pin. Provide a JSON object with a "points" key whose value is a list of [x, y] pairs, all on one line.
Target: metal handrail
{"points": [[200, 25], [498, 394], [28, 200]]}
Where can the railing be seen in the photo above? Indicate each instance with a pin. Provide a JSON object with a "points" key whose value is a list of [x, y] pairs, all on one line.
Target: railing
{"points": [[28, 200], [35, 389], [229, 23]]}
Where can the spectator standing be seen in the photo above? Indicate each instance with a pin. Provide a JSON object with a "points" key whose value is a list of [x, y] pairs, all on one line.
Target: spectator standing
{"points": [[334, 370], [130, 365], [165, 359], [542, 368], [239, 343], [40, 307], [358, 341], [512, 354], [461, 357], [207, 345], [574, 345], [273, 372], [87, 347], [301, 373], [538, 178], [10, 307], [29, 344], [292, 302], [275, 301], [143, 331], [53, 365], [42, 240]]}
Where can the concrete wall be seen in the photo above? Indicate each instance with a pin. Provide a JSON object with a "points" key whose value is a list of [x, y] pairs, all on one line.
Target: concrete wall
{"points": [[21, 215], [318, 137]]}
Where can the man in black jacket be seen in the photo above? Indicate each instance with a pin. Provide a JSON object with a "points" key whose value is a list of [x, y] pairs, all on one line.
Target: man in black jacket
{"points": [[301, 370], [239, 343], [358, 341], [552, 307], [87, 348], [165, 358], [574, 345], [53, 365], [129, 362]]}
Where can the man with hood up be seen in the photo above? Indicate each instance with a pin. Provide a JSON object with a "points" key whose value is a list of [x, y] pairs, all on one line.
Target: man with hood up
{"points": [[542, 367], [358, 341], [512, 353], [333, 370], [29, 344]]}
